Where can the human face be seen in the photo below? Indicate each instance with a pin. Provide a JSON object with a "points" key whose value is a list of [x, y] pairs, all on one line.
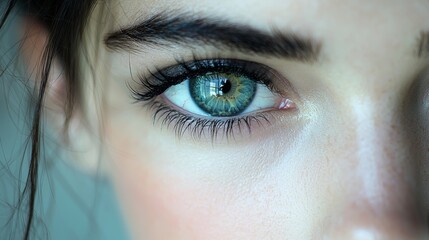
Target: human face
{"points": [[346, 158]]}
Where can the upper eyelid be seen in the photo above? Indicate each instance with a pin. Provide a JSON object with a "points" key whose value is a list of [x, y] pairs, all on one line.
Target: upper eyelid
{"points": [[198, 66], [159, 79]]}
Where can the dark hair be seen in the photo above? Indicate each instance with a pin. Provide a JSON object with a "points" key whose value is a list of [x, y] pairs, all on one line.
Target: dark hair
{"points": [[65, 21]]}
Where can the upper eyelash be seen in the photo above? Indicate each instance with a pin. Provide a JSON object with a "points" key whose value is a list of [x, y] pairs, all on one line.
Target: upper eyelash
{"points": [[157, 82]]}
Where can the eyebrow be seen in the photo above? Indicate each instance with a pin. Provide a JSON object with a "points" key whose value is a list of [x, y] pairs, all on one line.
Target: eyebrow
{"points": [[164, 30]]}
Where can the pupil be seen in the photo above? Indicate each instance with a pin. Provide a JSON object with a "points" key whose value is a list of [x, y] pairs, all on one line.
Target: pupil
{"points": [[225, 86]]}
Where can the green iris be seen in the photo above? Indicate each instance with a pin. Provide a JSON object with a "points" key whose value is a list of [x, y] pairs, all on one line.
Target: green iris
{"points": [[222, 94]]}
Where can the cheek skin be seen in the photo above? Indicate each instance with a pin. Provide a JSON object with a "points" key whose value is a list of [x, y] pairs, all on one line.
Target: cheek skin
{"points": [[158, 207], [182, 201], [162, 205]]}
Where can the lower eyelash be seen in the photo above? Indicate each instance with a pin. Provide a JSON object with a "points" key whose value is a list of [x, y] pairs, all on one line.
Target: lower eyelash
{"points": [[182, 123]]}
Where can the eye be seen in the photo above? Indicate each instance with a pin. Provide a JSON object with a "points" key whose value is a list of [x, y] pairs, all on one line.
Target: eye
{"points": [[214, 95]]}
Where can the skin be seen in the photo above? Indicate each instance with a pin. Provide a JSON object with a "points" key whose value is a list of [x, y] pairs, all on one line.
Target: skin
{"points": [[351, 162]]}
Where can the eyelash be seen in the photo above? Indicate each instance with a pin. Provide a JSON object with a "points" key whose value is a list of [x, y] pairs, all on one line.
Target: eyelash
{"points": [[198, 127], [156, 83]]}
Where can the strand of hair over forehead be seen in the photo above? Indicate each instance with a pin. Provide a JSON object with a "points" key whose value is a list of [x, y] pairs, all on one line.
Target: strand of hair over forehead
{"points": [[65, 21]]}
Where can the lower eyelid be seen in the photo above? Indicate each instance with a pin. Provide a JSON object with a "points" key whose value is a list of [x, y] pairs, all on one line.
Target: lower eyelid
{"points": [[210, 129], [216, 129]]}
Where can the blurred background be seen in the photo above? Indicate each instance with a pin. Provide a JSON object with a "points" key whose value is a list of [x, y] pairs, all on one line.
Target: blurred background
{"points": [[70, 204]]}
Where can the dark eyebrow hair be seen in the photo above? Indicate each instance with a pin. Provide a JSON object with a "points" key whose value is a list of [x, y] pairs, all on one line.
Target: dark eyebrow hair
{"points": [[163, 30]]}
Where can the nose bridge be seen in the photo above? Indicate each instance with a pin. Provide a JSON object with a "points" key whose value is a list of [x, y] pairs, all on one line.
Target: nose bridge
{"points": [[381, 152], [381, 199], [384, 160]]}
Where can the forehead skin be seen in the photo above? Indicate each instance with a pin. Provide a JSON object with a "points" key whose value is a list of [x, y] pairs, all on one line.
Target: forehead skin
{"points": [[350, 167]]}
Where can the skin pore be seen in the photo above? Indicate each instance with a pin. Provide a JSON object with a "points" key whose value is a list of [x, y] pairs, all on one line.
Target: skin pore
{"points": [[349, 161]]}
